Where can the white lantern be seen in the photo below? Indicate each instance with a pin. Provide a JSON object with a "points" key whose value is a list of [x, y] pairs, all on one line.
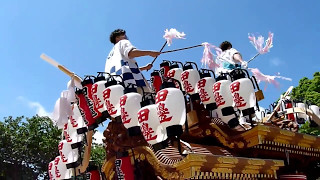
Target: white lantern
{"points": [[60, 169], [150, 125], [171, 110], [244, 97], [62, 110], [76, 120], [68, 155], [303, 108], [97, 90], [130, 105], [73, 134], [111, 96], [315, 110], [204, 88], [175, 73], [231, 120], [224, 101], [51, 170], [190, 78]]}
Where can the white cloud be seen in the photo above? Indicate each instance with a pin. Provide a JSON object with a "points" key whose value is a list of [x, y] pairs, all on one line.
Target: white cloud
{"points": [[39, 109], [98, 136], [276, 61]]}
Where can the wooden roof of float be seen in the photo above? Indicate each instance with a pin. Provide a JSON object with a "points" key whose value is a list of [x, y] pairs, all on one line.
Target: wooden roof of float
{"points": [[203, 165]]}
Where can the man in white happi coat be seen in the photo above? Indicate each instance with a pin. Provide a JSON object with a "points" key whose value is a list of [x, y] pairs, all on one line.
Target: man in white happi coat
{"points": [[230, 57], [121, 60]]}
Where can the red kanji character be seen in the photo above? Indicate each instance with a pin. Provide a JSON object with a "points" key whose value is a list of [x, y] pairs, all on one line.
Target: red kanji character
{"points": [[94, 88], [73, 121], [216, 86], [106, 94], [204, 95], [161, 95], [184, 75], [147, 132], [171, 73], [56, 161], [187, 86], [238, 100], [110, 108], [65, 126], [219, 99], [235, 86], [202, 83], [97, 102], [124, 116], [163, 112], [123, 100], [57, 172], [50, 166], [60, 146], [63, 157], [67, 136], [143, 115]]}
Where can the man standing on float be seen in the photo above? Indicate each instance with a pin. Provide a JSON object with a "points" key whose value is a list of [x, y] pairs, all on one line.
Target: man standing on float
{"points": [[121, 60], [230, 57]]}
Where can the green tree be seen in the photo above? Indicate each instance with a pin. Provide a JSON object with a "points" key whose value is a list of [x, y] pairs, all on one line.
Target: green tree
{"points": [[27, 145], [98, 154], [306, 129], [308, 89]]}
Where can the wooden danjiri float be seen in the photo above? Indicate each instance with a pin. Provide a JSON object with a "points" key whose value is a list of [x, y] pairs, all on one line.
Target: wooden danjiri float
{"points": [[195, 125]]}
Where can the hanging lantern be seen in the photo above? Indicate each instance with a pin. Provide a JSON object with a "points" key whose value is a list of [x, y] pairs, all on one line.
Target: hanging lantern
{"points": [[85, 110], [73, 135], [87, 91], [288, 105], [68, 155], [164, 68], [175, 72], [204, 88], [171, 110], [301, 116], [315, 110], [93, 173], [60, 169], [66, 133], [62, 110], [111, 98], [51, 170], [124, 168], [130, 105], [153, 132], [224, 101], [97, 95], [156, 80], [242, 89], [190, 78], [76, 121]]}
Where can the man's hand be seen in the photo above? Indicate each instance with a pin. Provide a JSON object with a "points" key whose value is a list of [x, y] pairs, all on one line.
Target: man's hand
{"points": [[244, 65], [154, 53], [147, 67]]}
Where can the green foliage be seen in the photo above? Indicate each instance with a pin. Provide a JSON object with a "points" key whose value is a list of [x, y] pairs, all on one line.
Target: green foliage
{"points": [[306, 129], [27, 145], [308, 89], [98, 154]]}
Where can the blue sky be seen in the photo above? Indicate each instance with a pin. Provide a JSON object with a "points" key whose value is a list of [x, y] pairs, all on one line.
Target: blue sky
{"points": [[76, 34]]}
